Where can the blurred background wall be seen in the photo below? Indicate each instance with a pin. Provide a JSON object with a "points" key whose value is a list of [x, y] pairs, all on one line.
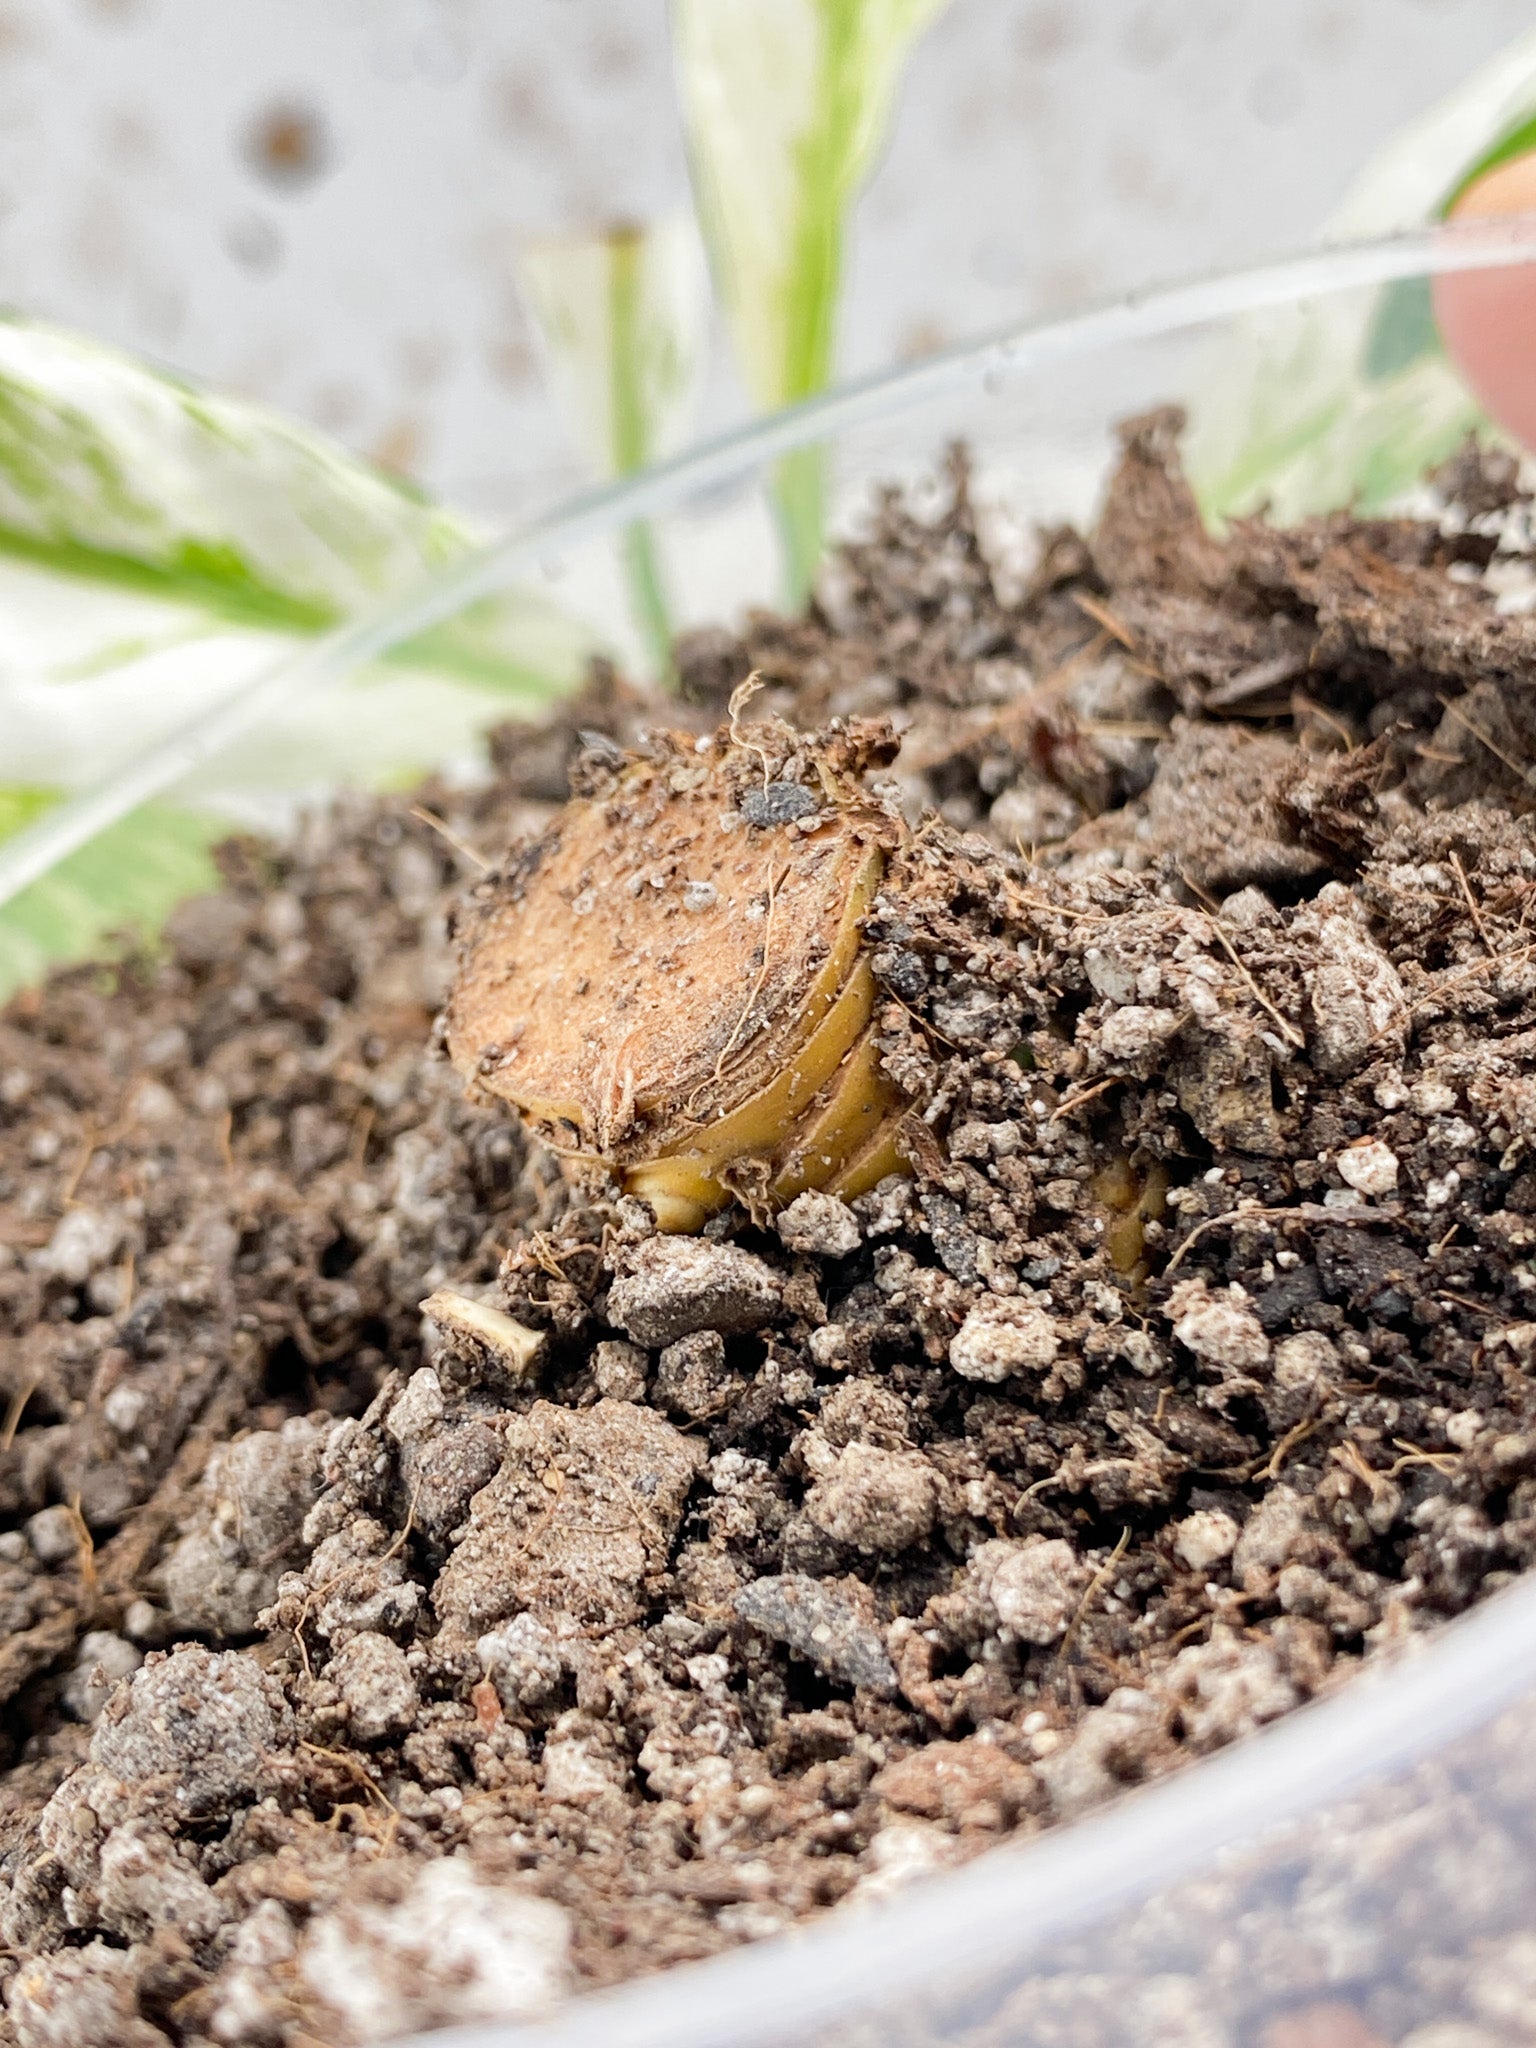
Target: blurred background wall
{"points": [[318, 201]]}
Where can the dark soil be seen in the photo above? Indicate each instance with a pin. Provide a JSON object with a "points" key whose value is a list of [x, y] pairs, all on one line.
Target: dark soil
{"points": [[362, 1671]]}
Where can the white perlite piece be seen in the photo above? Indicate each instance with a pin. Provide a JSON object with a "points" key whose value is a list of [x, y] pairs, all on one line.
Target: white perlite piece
{"points": [[1358, 1006], [881, 1502], [1228, 1686], [1033, 1585], [1503, 1988], [1305, 1362], [249, 1995], [1274, 1529], [453, 1949], [1082, 1773], [1391, 1092], [1003, 1336], [83, 1241], [54, 1534], [1206, 1537], [900, 1853], [524, 1661], [1139, 1031], [1369, 1167], [1220, 1329], [100, 1661], [820, 1224]]}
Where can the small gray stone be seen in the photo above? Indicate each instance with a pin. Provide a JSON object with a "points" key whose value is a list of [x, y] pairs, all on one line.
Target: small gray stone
{"points": [[376, 1686], [620, 1370], [444, 1472], [968, 1017], [676, 1285], [826, 1621], [224, 1568], [692, 1380], [1138, 1032], [419, 1409], [778, 803], [208, 1723], [953, 1239], [209, 931], [903, 973]]}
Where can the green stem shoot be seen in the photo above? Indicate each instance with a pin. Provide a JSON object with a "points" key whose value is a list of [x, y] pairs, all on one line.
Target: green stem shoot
{"points": [[631, 449]]}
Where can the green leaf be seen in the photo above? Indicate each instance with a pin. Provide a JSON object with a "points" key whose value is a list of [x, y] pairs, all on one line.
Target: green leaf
{"points": [[623, 316], [118, 475], [1349, 399], [115, 471], [88, 678], [1518, 140], [19, 805], [787, 103], [110, 895], [157, 546]]}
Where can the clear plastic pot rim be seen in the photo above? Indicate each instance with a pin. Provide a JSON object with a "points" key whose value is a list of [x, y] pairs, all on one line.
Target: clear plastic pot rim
{"points": [[992, 363], [1022, 1897]]}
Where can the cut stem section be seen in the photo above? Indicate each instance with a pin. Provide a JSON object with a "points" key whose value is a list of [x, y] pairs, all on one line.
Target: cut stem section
{"points": [[672, 984]]}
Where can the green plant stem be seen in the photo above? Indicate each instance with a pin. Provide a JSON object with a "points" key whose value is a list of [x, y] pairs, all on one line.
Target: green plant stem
{"points": [[799, 504], [816, 268], [648, 596], [647, 588]]}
